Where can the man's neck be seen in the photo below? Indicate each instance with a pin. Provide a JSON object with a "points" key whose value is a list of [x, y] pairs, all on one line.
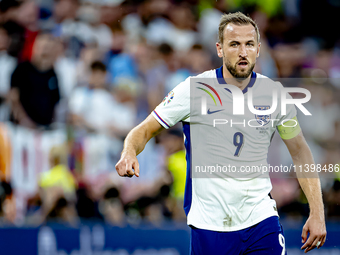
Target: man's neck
{"points": [[42, 65], [229, 79]]}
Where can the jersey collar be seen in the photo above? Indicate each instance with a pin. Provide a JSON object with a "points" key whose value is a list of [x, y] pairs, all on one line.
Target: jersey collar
{"points": [[220, 79]]}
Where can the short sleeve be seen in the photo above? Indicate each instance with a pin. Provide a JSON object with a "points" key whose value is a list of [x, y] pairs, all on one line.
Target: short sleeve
{"points": [[175, 106], [290, 111], [288, 126]]}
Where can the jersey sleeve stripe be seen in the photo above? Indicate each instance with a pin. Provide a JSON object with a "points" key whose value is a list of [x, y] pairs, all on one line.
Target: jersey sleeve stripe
{"points": [[161, 119]]}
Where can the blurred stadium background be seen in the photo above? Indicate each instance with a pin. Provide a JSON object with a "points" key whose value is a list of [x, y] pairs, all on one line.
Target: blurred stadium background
{"points": [[77, 75]]}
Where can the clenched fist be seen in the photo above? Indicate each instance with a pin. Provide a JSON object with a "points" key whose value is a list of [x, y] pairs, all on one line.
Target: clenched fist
{"points": [[128, 165]]}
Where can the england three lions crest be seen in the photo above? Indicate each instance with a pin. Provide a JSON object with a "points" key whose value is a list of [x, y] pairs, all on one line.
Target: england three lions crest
{"points": [[262, 119]]}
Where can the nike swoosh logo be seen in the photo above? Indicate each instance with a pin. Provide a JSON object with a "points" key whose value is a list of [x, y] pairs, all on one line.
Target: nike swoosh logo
{"points": [[211, 112]]}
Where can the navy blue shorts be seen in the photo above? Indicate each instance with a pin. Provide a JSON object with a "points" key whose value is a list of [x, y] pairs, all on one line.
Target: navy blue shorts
{"points": [[263, 238]]}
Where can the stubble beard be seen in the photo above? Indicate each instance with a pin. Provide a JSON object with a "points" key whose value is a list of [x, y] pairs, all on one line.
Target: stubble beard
{"points": [[238, 75]]}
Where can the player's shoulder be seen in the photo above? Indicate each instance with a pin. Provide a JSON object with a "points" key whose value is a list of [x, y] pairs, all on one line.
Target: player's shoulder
{"points": [[265, 82], [207, 74]]}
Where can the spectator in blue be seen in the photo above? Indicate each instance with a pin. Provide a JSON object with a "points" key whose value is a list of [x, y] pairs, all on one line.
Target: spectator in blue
{"points": [[120, 64]]}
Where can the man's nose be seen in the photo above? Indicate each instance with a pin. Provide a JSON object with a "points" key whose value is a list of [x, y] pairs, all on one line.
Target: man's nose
{"points": [[243, 51]]}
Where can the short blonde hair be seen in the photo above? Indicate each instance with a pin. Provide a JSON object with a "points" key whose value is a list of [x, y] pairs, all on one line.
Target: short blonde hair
{"points": [[237, 18]]}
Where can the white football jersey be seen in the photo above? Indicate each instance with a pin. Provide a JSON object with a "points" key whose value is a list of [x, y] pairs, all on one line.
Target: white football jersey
{"points": [[224, 201]]}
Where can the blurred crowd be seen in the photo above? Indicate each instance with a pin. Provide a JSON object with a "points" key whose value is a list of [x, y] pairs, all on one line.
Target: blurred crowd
{"points": [[99, 67]]}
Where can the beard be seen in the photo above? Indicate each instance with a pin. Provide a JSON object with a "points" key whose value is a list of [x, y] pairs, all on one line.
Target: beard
{"points": [[236, 74]]}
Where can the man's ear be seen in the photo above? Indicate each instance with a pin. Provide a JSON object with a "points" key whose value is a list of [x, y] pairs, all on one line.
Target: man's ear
{"points": [[258, 50], [219, 50]]}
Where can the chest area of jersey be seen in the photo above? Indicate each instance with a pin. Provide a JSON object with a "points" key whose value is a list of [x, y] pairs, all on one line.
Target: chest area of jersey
{"points": [[221, 109]]}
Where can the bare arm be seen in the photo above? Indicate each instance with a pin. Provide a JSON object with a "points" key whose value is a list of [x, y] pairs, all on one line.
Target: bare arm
{"points": [[310, 184], [134, 144]]}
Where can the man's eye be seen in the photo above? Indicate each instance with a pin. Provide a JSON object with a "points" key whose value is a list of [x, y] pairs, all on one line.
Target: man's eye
{"points": [[234, 44], [250, 44]]}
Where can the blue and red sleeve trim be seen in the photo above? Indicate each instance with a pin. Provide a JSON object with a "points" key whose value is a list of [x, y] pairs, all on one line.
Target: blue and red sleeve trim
{"points": [[161, 120]]}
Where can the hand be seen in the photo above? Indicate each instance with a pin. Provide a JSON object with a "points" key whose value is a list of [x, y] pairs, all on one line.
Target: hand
{"points": [[125, 165], [315, 225]]}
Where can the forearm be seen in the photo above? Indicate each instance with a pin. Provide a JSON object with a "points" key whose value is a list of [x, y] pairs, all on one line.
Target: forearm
{"points": [[137, 138], [134, 144], [312, 189], [135, 141], [309, 181]]}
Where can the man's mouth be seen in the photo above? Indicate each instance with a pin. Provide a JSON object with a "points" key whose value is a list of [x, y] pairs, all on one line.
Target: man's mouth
{"points": [[243, 63]]}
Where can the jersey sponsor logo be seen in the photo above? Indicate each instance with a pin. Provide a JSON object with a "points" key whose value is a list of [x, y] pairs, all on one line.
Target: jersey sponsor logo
{"points": [[168, 98], [262, 119], [211, 112]]}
